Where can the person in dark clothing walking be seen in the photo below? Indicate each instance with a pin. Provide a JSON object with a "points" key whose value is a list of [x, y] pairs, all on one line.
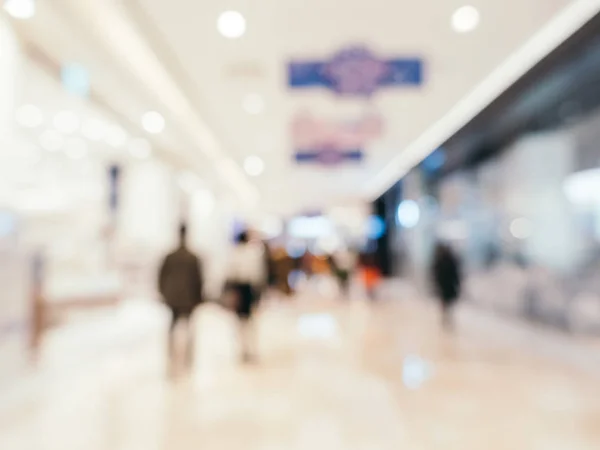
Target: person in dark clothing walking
{"points": [[446, 277], [180, 284], [247, 276]]}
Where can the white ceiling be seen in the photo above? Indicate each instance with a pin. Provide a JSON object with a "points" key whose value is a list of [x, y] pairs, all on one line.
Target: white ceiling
{"points": [[168, 56]]}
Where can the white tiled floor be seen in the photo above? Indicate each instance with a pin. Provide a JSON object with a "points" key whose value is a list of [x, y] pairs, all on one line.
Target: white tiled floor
{"points": [[330, 376]]}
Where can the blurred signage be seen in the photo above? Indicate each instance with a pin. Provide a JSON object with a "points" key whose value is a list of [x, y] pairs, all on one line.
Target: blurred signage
{"points": [[328, 156], [309, 131], [355, 71], [332, 143]]}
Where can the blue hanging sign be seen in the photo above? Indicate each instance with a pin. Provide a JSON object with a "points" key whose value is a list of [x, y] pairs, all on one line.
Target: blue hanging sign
{"points": [[328, 156], [355, 71]]}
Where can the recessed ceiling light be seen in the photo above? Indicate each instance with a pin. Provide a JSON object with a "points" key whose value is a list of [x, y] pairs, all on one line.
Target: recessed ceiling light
{"points": [[153, 122], [20, 9], [116, 136], [67, 122], [140, 148], [94, 129], [231, 24], [76, 148], [465, 19], [51, 140], [30, 116], [254, 166], [253, 104]]}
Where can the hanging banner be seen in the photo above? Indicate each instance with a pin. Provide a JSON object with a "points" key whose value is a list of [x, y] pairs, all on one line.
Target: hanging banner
{"points": [[329, 143], [328, 156], [355, 71]]}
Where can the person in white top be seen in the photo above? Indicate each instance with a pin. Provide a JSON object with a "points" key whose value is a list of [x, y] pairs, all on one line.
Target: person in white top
{"points": [[247, 276]]}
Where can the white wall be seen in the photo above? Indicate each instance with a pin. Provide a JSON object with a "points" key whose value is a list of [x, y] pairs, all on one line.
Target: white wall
{"points": [[149, 209]]}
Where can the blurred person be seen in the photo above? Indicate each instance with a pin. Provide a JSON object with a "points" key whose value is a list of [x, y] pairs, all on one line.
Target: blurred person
{"points": [[446, 278], [270, 280], [180, 284], [283, 266], [247, 277], [371, 275], [343, 263]]}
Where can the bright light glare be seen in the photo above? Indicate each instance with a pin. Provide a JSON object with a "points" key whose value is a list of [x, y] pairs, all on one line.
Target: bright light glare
{"points": [[140, 148], [153, 122], [521, 228], [254, 166], [408, 214], [67, 122], [20, 9], [253, 104], [581, 188], [94, 129], [295, 248], [76, 148], [310, 227], [231, 24], [29, 116], [465, 19], [415, 371], [51, 140], [116, 136]]}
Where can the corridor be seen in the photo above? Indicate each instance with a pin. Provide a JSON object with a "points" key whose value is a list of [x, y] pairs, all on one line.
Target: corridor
{"points": [[331, 375]]}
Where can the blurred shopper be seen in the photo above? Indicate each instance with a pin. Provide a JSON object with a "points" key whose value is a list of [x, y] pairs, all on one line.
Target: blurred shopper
{"points": [[343, 263], [283, 266], [446, 278], [180, 284], [370, 274], [247, 277]]}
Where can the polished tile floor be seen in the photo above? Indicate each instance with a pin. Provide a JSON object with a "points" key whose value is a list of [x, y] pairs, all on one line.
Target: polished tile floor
{"points": [[331, 375]]}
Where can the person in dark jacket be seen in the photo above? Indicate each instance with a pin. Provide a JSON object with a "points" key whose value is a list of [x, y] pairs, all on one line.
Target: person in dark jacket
{"points": [[446, 277], [180, 284]]}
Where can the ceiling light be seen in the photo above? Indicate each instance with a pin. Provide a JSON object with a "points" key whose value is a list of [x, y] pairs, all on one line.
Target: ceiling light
{"points": [[465, 19], [140, 148], [231, 24], [20, 9], [94, 129], [253, 104], [116, 136], [76, 148], [51, 140], [254, 166], [67, 122], [153, 122], [29, 116]]}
